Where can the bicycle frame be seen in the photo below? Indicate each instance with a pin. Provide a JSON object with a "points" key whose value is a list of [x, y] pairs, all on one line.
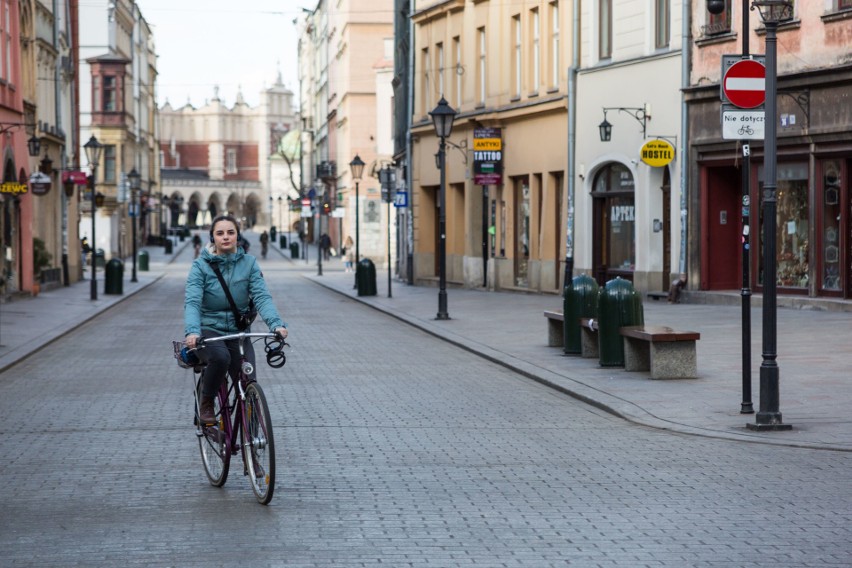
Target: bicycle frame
{"points": [[234, 418]]}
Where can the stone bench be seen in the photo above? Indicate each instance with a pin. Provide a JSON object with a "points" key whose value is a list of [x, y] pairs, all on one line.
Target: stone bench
{"points": [[555, 331], [667, 353], [589, 338]]}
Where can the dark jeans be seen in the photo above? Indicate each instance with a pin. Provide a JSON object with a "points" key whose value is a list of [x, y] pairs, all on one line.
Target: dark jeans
{"points": [[221, 357]]}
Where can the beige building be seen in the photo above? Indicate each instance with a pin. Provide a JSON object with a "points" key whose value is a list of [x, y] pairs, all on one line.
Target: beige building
{"points": [[502, 66], [345, 71]]}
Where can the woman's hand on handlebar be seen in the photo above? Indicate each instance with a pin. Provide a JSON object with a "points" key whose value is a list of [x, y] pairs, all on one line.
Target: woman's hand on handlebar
{"points": [[281, 332], [192, 341]]}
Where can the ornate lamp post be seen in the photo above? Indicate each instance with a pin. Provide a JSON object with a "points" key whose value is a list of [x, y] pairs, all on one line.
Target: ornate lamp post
{"points": [[356, 166], [93, 155], [772, 12], [442, 117], [135, 183]]}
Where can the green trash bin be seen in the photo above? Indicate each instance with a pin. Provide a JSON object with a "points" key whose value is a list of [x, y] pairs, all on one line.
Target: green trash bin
{"points": [[282, 241], [100, 258], [365, 278], [144, 257], [168, 246], [580, 300], [618, 305], [114, 278], [294, 250]]}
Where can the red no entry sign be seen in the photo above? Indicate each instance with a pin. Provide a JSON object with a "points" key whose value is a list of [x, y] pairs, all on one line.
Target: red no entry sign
{"points": [[744, 84]]}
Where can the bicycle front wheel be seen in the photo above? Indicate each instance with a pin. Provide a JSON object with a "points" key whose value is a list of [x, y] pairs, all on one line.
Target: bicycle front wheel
{"points": [[215, 447], [258, 444]]}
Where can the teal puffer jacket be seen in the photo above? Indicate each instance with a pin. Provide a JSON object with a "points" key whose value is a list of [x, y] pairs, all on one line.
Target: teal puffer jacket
{"points": [[205, 304]]}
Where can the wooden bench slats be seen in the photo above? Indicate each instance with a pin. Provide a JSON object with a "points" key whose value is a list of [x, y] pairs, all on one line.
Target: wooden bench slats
{"points": [[654, 333]]}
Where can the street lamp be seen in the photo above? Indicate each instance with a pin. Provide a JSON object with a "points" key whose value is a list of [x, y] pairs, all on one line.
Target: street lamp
{"points": [[93, 155], [442, 117], [135, 183], [387, 177], [356, 166], [280, 225], [772, 12]]}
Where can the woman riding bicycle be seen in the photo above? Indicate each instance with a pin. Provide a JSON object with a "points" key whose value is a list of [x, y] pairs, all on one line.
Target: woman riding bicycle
{"points": [[208, 312]]}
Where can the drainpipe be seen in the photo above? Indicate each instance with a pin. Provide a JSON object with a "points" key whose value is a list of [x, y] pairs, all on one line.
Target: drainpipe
{"points": [[686, 66], [572, 138]]}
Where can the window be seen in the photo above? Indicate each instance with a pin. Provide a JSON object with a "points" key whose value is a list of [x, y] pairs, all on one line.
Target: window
{"points": [[439, 65], [554, 45], [109, 163], [8, 38], [718, 23], [844, 4], [481, 64], [535, 33], [109, 93], [96, 92], [457, 69], [662, 23], [231, 161], [426, 95], [605, 29], [516, 59]]}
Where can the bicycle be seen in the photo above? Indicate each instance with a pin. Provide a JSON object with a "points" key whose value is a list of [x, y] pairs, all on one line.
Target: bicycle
{"points": [[240, 410]]}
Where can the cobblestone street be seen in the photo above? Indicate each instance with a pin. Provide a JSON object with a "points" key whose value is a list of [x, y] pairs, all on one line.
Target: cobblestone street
{"points": [[394, 448]]}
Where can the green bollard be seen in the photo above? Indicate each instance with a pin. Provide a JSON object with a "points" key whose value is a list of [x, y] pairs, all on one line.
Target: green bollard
{"points": [[114, 277], [580, 301], [618, 305], [366, 278], [143, 260]]}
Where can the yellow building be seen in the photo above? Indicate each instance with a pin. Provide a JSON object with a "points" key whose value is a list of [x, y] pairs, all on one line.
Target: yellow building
{"points": [[503, 67]]}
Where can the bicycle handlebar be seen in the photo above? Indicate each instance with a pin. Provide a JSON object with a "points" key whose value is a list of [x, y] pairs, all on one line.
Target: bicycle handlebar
{"points": [[201, 340], [274, 345]]}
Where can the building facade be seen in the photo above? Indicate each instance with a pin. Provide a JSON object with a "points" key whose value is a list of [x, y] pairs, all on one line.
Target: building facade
{"points": [[346, 55], [503, 68], [118, 97], [814, 125], [239, 160]]}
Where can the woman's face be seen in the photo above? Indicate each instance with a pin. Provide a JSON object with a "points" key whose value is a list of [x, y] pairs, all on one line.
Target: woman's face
{"points": [[225, 237]]}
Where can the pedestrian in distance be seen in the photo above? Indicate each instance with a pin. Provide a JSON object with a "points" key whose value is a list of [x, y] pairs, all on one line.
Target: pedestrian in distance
{"points": [[243, 242], [348, 252], [208, 312], [196, 245], [264, 244], [325, 245]]}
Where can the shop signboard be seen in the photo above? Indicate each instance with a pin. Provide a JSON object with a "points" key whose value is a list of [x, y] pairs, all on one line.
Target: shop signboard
{"points": [[487, 156]]}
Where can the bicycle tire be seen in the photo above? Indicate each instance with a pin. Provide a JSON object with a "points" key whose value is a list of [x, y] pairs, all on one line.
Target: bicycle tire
{"points": [[258, 444], [215, 447]]}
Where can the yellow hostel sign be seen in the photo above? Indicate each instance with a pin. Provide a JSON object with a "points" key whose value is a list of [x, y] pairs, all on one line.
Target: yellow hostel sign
{"points": [[657, 153]]}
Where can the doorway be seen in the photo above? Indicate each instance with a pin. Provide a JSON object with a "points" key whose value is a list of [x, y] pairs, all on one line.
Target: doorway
{"points": [[722, 267], [614, 224]]}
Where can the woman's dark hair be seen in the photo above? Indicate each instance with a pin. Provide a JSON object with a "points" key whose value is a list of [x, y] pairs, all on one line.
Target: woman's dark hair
{"points": [[224, 218]]}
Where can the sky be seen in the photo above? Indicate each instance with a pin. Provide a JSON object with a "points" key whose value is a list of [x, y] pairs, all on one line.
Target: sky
{"points": [[235, 45]]}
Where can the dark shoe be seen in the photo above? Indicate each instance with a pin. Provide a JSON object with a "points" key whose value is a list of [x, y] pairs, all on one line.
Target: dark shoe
{"points": [[207, 412]]}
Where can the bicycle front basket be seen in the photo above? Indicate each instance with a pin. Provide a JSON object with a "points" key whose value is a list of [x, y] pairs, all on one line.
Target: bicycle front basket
{"points": [[186, 358]]}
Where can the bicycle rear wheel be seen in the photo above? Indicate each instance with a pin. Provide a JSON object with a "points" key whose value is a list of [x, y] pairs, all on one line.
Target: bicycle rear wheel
{"points": [[215, 447], [258, 444]]}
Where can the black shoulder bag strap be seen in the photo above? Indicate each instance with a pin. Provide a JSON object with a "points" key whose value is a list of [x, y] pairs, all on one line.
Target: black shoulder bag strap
{"points": [[234, 309]]}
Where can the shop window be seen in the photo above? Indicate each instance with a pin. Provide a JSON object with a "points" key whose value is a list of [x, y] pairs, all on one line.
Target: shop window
{"points": [[831, 230], [792, 215]]}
